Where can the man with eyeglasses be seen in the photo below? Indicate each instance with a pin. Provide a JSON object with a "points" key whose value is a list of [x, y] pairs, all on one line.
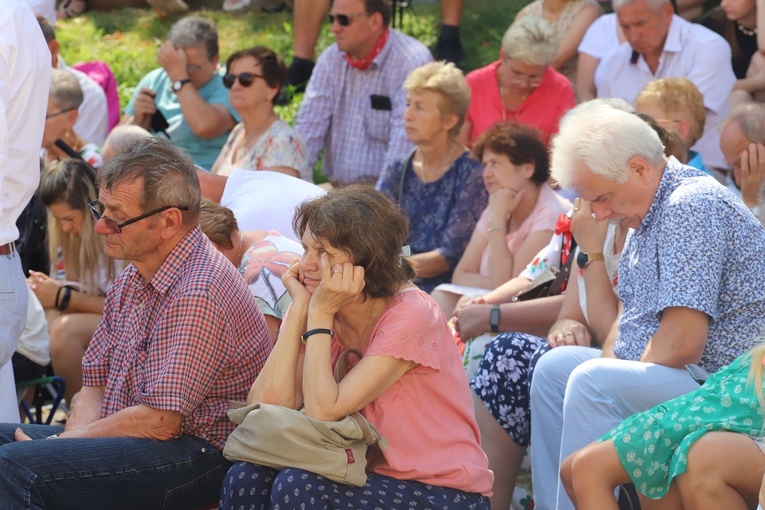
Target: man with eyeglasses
{"points": [[354, 103], [181, 335], [185, 99], [24, 81], [664, 45]]}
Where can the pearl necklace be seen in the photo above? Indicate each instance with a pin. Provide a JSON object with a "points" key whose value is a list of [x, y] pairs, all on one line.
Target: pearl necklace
{"points": [[746, 31]]}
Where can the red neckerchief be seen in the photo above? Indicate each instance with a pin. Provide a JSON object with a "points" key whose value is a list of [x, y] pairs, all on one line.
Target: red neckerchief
{"points": [[563, 226], [364, 63]]}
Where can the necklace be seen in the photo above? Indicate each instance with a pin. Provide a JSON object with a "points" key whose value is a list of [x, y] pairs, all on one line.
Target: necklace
{"points": [[746, 31], [441, 168], [369, 319]]}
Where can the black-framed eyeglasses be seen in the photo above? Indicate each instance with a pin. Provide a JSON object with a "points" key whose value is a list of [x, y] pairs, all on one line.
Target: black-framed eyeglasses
{"points": [[61, 112], [245, 79], [345, 19], [96, 209]]}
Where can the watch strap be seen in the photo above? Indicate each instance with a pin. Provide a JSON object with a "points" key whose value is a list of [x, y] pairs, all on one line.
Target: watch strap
{"points": [[494, 318], [178, 84]]}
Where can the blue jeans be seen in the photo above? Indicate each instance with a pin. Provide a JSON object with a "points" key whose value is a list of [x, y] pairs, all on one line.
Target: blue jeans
{"points": [[114, 473]]}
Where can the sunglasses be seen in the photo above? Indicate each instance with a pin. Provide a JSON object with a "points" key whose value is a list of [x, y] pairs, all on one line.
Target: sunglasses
{"points": [[245, 79], [345, 19], [51, 115], [97, 209]]}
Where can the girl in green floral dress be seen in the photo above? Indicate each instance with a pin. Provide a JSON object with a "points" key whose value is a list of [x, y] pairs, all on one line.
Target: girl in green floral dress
{"points": [[723, 420]]}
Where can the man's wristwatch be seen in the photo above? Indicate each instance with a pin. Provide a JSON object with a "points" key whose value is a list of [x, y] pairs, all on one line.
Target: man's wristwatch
{"points": [[494, 319], [583, 259], [178, 84]]}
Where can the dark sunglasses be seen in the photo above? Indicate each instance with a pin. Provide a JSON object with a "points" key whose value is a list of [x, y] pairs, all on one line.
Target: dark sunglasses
{"points": [[96, 209], [245, 79], [344, 19]]}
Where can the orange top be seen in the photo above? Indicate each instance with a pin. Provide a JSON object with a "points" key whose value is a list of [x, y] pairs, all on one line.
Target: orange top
{"points": [[427, 415]]}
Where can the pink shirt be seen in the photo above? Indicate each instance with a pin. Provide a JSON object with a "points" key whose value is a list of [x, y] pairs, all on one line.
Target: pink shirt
{"points": [[427, 415], [543, 217], [542, 109]]}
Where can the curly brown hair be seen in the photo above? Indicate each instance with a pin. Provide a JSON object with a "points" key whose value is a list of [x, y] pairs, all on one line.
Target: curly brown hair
{"points": [[364, 224]]}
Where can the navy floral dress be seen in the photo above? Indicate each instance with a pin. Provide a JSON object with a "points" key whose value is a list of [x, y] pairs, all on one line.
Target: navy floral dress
{"points": [[442, 214]]}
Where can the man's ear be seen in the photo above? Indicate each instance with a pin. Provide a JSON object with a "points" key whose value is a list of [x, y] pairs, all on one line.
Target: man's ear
{"points": [[641, 168], [171, 221], [54, 49], [667, 11]]}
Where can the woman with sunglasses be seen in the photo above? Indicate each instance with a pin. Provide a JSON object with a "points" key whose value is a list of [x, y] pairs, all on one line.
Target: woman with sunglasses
{"points": [[74, 299], [262, 141], [521, 86], [64, 98]]}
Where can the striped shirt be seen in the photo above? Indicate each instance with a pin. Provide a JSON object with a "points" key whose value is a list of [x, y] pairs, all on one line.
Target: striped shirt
{"points": [[336, 114], [188, 340]]}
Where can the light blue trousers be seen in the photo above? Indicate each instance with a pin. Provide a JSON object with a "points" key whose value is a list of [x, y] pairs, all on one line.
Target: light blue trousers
{"points": [[13, 317], [576, 397]]}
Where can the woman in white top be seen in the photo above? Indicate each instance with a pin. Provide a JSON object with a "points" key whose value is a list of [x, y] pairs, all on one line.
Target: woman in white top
{"points": [[74, 299], [262, 141]]}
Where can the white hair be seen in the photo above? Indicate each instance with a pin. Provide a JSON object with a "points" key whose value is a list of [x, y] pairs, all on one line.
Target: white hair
{"points": [[602, 138], [532, 40], [655, 5], [121, 137]]}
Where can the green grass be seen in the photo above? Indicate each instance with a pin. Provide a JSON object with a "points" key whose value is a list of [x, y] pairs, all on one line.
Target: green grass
{"points": [[126, 39]]}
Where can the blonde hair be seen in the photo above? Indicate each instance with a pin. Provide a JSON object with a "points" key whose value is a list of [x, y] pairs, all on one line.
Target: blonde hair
{"points": [[756, 371], [449, 82], [678, 98], [532, 40], [217, 223], [72, 182]]}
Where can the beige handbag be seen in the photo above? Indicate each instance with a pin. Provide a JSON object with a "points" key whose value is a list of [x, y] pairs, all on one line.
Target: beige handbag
{"points": [[279, 437]]}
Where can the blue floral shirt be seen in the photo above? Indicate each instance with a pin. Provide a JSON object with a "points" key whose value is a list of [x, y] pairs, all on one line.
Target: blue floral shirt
{"points": [[697, 247], [442, 214]]}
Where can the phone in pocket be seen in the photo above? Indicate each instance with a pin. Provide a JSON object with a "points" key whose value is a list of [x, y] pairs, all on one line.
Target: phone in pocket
{"points": [[381, 102]]}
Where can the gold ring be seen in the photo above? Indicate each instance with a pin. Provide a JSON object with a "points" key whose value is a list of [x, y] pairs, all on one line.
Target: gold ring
{"points": [[569, 333]]}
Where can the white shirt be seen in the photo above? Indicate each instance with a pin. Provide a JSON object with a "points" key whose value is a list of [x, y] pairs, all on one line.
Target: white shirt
{"points": [[266, 200], [44, 8], [34, 342], [93, 114], [24, 82], [690, 51], [601, 38]]}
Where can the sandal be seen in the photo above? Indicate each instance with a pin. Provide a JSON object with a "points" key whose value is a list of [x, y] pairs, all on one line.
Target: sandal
{"points": [[71, 8], [167, 8]]}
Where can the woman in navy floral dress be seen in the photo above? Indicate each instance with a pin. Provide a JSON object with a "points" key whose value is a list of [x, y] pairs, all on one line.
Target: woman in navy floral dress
{"points": [[438, 186]]}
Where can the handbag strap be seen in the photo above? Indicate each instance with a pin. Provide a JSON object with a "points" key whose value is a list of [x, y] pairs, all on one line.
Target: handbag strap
{"points": [[341, 367], [563, 274], [371, 436]]}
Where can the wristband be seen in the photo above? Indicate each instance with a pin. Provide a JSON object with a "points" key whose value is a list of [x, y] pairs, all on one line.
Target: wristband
{"points": [[317, 331], [494, 319], [62, 302]]}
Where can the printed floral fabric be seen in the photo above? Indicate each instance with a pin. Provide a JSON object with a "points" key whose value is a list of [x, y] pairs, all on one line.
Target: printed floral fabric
{"points": [[262, 267], [502, 382], [653, 445], [280, 145]]}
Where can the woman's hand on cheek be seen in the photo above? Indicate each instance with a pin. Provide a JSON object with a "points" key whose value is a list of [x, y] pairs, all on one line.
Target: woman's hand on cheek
{"points": [[341, 284], [291, 281]]}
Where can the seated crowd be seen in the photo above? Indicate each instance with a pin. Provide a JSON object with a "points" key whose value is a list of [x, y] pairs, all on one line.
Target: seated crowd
{"points": [[537, 264]]}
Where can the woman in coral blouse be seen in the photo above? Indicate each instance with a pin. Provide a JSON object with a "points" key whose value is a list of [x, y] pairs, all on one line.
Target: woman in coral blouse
{"points": [[521, 86], [351, 290]]}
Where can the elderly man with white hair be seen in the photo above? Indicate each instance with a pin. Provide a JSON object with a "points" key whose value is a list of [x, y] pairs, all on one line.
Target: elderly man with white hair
{"points": [[663, 45], [688, 283]]}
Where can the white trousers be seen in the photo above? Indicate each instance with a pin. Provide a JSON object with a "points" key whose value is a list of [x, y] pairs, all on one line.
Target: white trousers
{"points": [[576, 397]]}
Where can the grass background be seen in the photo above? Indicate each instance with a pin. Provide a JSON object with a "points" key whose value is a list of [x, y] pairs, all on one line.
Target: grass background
{"points": [[127, 38]]}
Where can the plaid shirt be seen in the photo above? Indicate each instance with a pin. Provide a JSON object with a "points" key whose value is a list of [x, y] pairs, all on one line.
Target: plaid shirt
{"points": [[188, 340], [337, 111]]}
